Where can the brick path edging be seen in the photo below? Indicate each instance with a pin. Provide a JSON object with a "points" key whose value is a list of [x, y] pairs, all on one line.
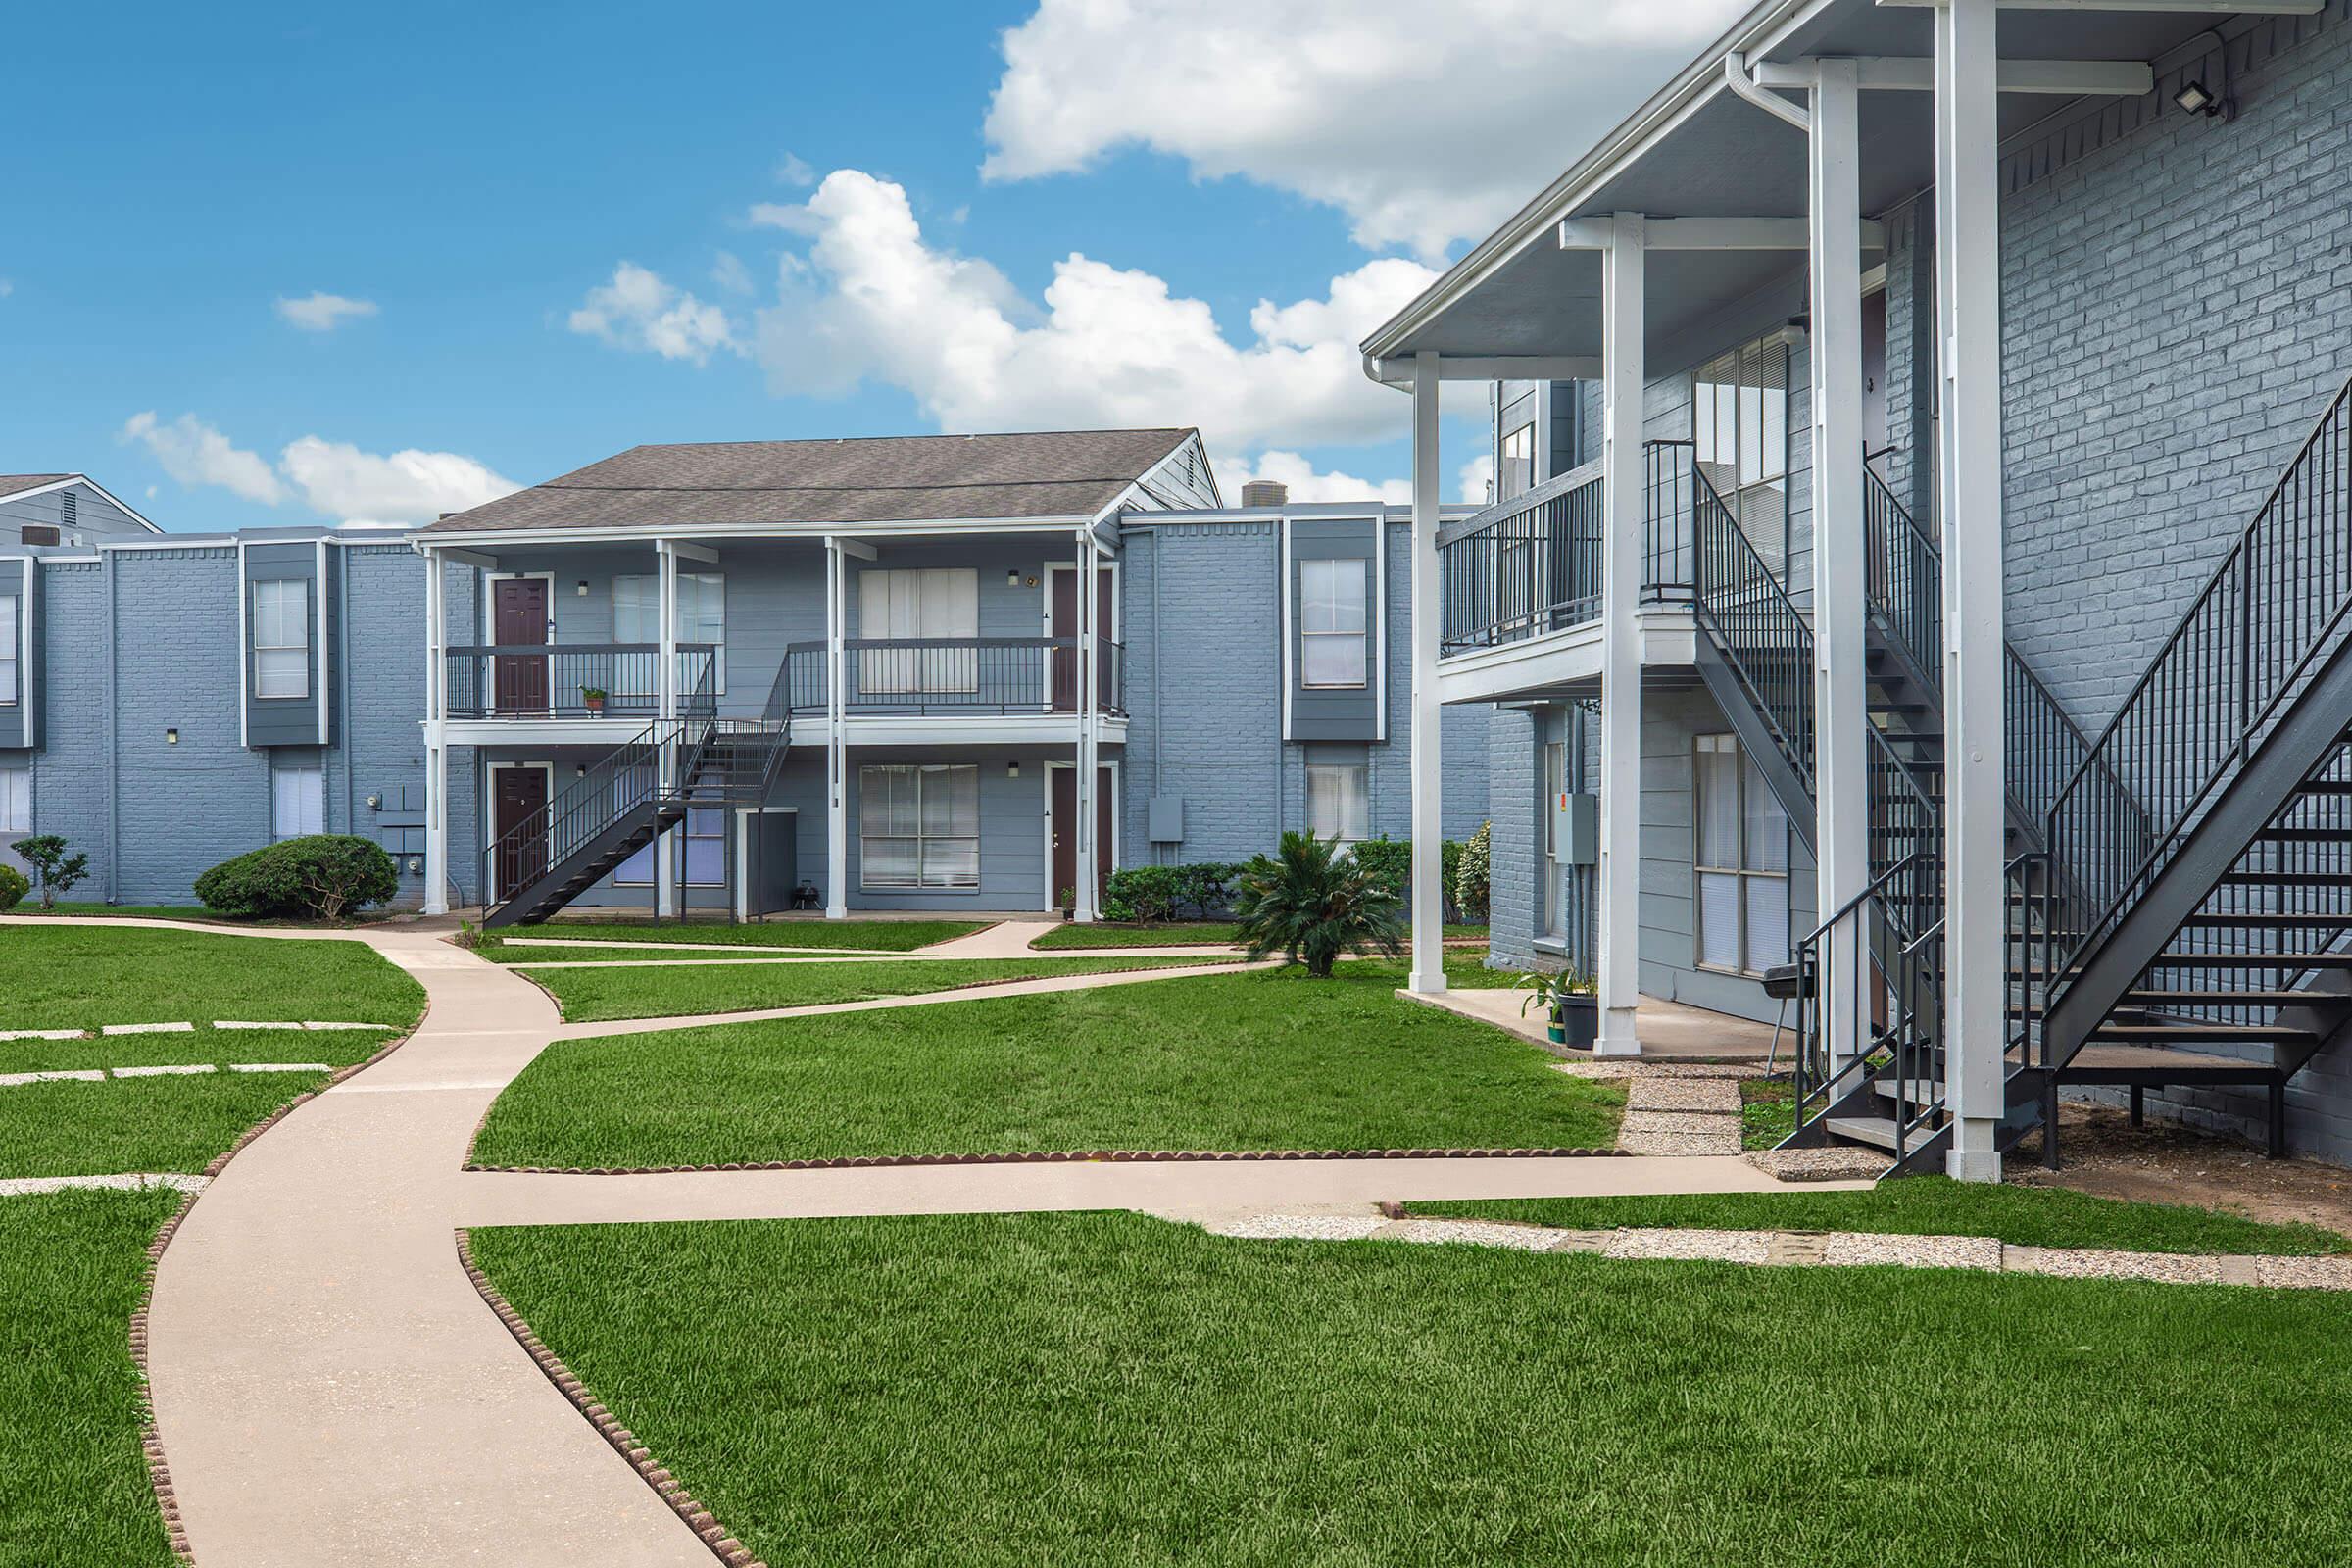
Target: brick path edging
{"points": [[1116, 1156], [698, 1519], [151, 1442]]}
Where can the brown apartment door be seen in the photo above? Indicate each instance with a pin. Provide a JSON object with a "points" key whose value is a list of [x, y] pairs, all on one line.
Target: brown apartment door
{"points": [[1065, 624], [1065, 831], [519, 802], [519, 620]]}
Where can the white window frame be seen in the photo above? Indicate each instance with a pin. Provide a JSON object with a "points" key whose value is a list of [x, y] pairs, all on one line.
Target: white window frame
{"points": [[15, 801], [919, 604], [1743, 874], [304, 648], [1362, 801], [12, 639], [1322, 601], [309, 805], [921, 838], [1739, 410], [1505, 459]]}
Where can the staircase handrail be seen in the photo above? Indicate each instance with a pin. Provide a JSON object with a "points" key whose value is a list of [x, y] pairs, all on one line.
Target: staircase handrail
{"points": [[2216, 683], [563, 824], [1789, 623]]}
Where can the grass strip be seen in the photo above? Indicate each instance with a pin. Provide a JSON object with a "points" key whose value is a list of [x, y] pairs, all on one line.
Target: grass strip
{"points": [[1266, 1059], [73, 1488], [1166, 934], [1108, 1389], [659, 991], [83, 977], [116, 1126], [1924, 1205], [878, 936], [338, 1048]]}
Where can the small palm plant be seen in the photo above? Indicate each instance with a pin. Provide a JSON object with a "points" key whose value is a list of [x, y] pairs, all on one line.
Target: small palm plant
{"points": [[1311, 903]]}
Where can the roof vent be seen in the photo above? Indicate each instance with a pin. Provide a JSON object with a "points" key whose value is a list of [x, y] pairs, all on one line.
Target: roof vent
{"points": [[39, 534], [1265, 492]]}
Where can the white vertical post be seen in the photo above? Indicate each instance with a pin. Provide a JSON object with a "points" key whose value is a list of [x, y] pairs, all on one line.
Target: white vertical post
{"points": [[436, 744], [1427, 975], [1088, 653], [666, 707], [1624, 377], [1969, 289], [837, 750], [1841, 694]]}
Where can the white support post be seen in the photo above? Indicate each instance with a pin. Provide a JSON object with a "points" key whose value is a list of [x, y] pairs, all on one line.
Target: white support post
{"points": [[1968, 317], [1625, 375], [837, 750], [1084, 894], [666, 707], [1427, 976], [436, 744], [1840, 694]]}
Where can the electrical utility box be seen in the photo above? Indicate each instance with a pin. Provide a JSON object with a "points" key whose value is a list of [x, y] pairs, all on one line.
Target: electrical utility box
{"points": [[1576, 828]]}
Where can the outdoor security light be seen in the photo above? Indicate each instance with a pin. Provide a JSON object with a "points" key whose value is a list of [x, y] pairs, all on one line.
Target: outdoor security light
{"points": [[1013, 771], [2196, 99], [581, 588], [1012, 577], [171, 737]]}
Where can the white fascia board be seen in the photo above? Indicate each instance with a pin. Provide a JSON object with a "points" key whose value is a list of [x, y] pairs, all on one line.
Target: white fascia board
{"points": [[1710, 233], [1490, 367], [125, 507], [811, 532], [2071, 78], [703, 555], [852, 548]]}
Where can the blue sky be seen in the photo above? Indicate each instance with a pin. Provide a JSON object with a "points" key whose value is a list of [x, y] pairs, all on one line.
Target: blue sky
{"points": [[476, 174]]}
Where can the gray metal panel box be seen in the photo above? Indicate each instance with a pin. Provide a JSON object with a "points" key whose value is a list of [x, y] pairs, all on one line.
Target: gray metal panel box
{"points": [[1164, 819], [1576, 828]]}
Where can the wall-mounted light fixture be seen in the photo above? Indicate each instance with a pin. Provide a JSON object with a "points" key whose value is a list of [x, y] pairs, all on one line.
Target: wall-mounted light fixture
{"points": [[579, 770], [2194, 96], [1013, 771], [375, 802], [416, 865], [1012, 577], [580, 588], [171, 737]]}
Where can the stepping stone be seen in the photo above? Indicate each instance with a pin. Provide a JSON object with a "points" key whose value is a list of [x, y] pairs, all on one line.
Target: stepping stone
{"points": [[1693, 1245], [1719, 1123], [32, 1186], [148, 1029], [42, 1033], [1300, 1227], [176, 1070], [1846, 1250], [78, 1075], [1474, 1233], [1719, 1095], [1837, 1163], [2087, 1264], [280, 1066], [1678, 1144]]}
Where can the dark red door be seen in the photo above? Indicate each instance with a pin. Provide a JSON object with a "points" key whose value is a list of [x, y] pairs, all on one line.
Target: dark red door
{"points": [[519, 620], [1065, 624], [519, 818], [1065, 836]]}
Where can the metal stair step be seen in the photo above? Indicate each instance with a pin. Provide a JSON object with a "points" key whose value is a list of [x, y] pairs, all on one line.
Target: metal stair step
{"points": [[2304, 835], [2182, 1033], [2238, 999], [2287, 879], [1876, 1131], [2269, 919]]}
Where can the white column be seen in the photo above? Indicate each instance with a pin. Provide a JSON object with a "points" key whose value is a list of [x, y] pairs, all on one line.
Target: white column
{"points": [[1428, 973], [666, 706], [837, 751], [436, 745], [1087, 652], [1841, 694], [1968, 288], [1623, 376]]}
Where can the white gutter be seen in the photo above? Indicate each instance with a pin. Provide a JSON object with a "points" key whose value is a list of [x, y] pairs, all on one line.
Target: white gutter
{"points": [[1736, 76]]}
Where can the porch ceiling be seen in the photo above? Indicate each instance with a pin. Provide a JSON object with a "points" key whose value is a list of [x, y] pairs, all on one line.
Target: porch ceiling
{"points": [[1717, 156]]}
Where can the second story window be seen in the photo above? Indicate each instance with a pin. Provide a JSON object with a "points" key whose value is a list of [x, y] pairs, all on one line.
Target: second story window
{"points": [[10, 639], [1515, 463], [281, 637], [939, 604], [637, 618], [1740, 420], [1332, 621]]}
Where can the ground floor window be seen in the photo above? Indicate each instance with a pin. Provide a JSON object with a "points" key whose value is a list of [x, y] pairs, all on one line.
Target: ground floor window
{"points": [[16, 801], [1741, 861], [918, 826], [704, 843], [297, 802], [1338, 801]]}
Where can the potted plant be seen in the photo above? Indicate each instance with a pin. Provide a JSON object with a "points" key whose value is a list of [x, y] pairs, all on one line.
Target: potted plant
{"points": [[1571, 1007], [593, 699], [1069, 903]]}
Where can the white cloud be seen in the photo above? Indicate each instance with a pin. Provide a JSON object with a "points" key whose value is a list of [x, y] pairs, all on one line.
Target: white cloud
{"points": [[637, 310], [323, 313], [1424, 124], [871, 300], [340, 480], [1303, 481], [332, 479], [793, 170], [195, 453], [1477, 478], [730, 274]]}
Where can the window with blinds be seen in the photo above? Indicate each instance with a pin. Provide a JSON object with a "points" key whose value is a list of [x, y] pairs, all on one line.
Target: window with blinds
{"points": [[1338, 801], [918, 826], [1739, 422], [11, 636], [282, 638], [1739, 860], [1332, 621], [637, 618], [929, 604], [297, 802]]}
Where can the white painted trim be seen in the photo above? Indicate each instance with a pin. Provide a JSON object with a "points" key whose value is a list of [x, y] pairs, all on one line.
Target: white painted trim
{"points": [[490, 831], [324, 689], [1736, 76], [1425, 764], [809, 532], [1116, 767], [1668, 639], [2070, 78], [1399, 373], [1713, 234], [244, 649], [1282, 599], [82, 479], [27, 688]]}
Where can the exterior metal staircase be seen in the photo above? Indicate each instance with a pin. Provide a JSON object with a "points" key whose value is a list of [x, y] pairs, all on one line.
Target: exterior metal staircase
{"points": [[631, 796]]}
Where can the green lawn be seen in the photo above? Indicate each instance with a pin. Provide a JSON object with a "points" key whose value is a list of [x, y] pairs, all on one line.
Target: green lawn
{"points": [[661, 990], [1109, 1389], [74, 1489], [879, 936], [1924, 1205], [75, 1128], [54, 977], [183, 912], [1167, 934], [1767, 1111], [1266, 1059], [338, 1048]]}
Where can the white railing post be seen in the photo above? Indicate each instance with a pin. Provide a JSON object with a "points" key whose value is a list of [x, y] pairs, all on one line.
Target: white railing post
{"points": [[1841, 706], [1969, 322], [837, 758], [1427, 975], [1624, 374], [436, 731]]}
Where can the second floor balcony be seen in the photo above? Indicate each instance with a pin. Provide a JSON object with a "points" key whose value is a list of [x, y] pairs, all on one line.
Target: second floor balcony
{"points": [[953, 677], [576, 680]]}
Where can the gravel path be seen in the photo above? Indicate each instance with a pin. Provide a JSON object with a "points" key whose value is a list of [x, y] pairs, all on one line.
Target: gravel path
{"points": [[1674, 1108]]}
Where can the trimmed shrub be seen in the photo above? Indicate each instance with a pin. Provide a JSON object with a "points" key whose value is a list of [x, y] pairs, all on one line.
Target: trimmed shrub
{"points": [[1388, 861], [1312, 904], [1157, 893], [321, 876], [54, 870], [12, 888], [1449, 873], [1470, 876]]}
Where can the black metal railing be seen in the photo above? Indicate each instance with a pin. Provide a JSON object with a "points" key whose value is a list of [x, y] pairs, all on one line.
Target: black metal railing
{"points": [[578, 680], [2250, 639], [943, 675], [1759, 632], [1905, 582], [1526, 566]]}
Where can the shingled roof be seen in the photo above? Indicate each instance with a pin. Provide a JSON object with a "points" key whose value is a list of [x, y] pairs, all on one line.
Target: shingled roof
{"points": [[1062, 474]]}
